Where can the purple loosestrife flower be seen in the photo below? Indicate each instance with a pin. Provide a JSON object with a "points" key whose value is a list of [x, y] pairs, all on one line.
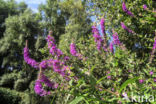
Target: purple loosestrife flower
{"points": [[153, 51], [43, 79], [51, 41], [73, 49], [102, 23], [154, 45], [126, 28], [95, 30], [141, 81], [29, 60], [145, 7], [97, 37], [104, 41], [112, 89], [74, 52], [49, 63], [124, 8], [39, 89], [57, 65], [111, 47], [154, 79], [47, 82], [108, 77], [151, 73], [116, 40], [66, 58], [43, 64], [52, 46]]}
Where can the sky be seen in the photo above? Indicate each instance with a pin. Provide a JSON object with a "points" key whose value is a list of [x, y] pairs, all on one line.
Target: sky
{"points": [[33, 4]]}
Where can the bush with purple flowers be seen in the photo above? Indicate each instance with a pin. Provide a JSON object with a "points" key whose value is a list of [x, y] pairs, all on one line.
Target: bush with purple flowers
{"points": [[108, 66]]}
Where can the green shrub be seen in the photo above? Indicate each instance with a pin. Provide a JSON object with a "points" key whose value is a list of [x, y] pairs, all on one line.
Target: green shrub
{"points": [[9, 97], [7, 80]]}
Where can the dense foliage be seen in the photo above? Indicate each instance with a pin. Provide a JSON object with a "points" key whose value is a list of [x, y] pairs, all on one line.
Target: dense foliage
{"points": [[98, 52]]}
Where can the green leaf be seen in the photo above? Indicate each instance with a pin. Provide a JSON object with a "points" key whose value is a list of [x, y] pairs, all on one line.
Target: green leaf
{"points": [[77, 100], [92, 80], [93, 67], [126, 83], [52, 100], [98, 81]]}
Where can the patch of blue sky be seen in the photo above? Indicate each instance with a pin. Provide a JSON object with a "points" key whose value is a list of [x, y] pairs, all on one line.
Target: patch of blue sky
{"points": [[33, 4]]}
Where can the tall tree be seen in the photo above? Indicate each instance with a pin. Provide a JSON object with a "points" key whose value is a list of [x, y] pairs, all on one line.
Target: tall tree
{"points": [[18, 29], [78, 23], [53, 18], [8, 8]]}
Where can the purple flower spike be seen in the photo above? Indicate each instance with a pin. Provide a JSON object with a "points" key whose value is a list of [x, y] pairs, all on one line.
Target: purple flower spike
{"points": [[154, 79], [74, 52], [29, 60], [154, 45], [102, 25], [124, 8], [73, 49], [44, 64], [48, 83], [116, 39], [98, 39], [53, 49], [111, 47], [57, 66], [95, 30], [126, 28], [66, 58], [39, 89], [145, 7]]}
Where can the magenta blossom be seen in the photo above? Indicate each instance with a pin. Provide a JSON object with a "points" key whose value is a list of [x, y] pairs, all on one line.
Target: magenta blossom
{"points": [[145, 7], [151, 73], [141, 81], [95, 30], [39, 89], [102, 23], [126, 28], [124, 8], [60, 69], [44, 64], [29, 60], [98, 39], [111, 47], [73, 50], [154, 45], [112, 89], [66, 58], [108, 77], [116, 39], [48, 83], [52, 46]]}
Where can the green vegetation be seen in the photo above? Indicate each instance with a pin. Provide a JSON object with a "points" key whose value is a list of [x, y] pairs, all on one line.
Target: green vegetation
{"points": [[109, 67]]}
